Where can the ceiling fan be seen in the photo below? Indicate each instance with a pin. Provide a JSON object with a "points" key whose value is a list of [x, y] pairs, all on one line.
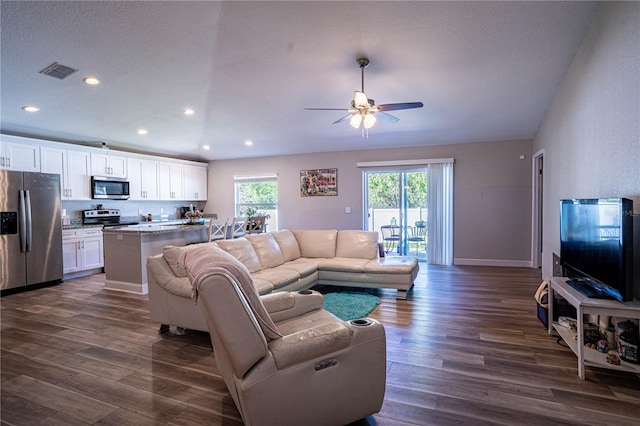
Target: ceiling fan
{"points": [[362, 113]]}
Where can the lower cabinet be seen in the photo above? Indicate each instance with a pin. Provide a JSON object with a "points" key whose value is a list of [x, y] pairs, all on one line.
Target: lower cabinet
{"points": [[82, 250]]}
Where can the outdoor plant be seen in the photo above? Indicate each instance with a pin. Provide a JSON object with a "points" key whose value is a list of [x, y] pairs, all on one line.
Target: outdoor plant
{"points": [[251, 212]]}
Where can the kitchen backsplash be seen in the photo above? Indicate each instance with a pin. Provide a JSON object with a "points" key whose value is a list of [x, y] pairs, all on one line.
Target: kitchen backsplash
{"points": [[130, 210]]}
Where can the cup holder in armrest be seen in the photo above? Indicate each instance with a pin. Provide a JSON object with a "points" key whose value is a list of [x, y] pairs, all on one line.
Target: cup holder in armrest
{"points": [[361, 322], [305, 292]]}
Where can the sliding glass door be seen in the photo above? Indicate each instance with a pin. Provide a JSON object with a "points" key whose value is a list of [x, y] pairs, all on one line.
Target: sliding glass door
{"points": [[396, 206]]}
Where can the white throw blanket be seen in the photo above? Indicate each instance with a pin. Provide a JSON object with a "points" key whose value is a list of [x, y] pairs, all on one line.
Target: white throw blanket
{"points": [[207, 260]]}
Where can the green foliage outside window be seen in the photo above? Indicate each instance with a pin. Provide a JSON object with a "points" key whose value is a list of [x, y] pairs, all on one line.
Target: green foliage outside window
{"points": [[258, 193], [256, 198], [384, 192]]}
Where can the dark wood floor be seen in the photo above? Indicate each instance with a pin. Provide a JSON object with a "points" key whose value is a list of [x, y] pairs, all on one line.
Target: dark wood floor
{"points": [[466, 348]]}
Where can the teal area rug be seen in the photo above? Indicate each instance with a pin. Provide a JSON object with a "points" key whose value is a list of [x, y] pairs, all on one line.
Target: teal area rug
{"points": [[348, 306]]}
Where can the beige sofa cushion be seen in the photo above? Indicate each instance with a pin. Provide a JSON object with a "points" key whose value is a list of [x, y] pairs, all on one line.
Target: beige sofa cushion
{"points": [[302, 267], [357, 244], [279, 277], [263, 286], [288, 244], [317, 242], [171, 255], [343, 264], [267, 249], [241, 249]]}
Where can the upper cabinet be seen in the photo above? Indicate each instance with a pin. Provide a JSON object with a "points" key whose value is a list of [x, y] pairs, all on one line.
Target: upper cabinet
{"points": [[19, 154], [150, 177], [143, 179], [73, 166], [171, 181], [195, 182], [108, 164]]}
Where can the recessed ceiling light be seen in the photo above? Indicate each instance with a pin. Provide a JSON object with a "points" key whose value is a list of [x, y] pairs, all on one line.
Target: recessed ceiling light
{"points": [[189, 111], [91, 81], [30, 108], [248, 143], [142, 131], [206, 147]]}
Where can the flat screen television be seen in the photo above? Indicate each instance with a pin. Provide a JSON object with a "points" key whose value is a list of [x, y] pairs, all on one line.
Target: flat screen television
{"points": [[596, 244]]}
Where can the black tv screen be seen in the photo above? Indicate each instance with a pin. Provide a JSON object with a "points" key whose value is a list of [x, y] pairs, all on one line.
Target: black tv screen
{"points": [[596, 243]]}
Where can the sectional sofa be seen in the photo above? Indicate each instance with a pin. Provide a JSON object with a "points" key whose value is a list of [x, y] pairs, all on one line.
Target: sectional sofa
{"points": [[286, 260]]}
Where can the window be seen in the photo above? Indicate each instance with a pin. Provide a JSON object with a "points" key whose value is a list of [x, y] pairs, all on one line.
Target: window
{"points": [[257, 193]]}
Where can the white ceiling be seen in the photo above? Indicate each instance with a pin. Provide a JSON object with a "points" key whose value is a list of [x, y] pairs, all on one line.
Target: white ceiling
{"points": [[484, 71]]}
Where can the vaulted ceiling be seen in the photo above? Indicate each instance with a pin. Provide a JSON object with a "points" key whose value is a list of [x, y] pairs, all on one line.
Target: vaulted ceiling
{"points": [[484, 71]]}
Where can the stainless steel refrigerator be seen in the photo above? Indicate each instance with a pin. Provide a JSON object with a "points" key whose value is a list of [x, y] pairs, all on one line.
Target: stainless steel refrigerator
{"points": [[30, 229]]}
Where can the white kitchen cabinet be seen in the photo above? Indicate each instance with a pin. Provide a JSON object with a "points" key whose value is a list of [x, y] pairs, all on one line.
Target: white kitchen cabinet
{"points": [[74, 168], [143, 179], [19, 154], [82, 250], [107, 164], [195, 183], [171, 181]]}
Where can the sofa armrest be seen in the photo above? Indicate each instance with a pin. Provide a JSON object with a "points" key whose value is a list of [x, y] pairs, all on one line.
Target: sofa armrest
{"points": [[289, 304], [310, 344]]}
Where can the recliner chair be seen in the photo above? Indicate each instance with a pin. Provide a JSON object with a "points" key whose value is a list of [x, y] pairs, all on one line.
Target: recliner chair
{"points": [[284, 359]]}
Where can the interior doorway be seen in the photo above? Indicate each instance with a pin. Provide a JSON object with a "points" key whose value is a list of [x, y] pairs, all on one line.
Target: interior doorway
{"points": [[537, 212], [396, 207]]}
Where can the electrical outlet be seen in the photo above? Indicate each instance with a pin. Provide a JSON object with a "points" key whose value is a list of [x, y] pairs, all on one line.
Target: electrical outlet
{"points": [[161, 210], [139, 211]]}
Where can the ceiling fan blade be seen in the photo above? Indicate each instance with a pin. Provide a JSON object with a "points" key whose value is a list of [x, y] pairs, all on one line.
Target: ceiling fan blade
{"points": [[387, 117], [395, 107], [360, 100], [345, 118], [326, 109]]}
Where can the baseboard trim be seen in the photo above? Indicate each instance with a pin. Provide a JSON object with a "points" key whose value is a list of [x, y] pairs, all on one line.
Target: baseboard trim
{"points": [[126, 287], [493, 262]]}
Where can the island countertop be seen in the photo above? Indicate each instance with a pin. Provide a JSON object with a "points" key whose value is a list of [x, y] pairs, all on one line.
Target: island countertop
{"points": [[155, 228], [126, 249]]}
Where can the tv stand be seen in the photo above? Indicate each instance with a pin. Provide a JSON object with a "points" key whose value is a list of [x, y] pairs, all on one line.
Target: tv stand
{"points": [[589, 306], [589, 289]]}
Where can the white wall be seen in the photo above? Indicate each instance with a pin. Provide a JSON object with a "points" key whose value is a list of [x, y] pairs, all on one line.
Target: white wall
{"points": [[591, 133], [492, 194]]}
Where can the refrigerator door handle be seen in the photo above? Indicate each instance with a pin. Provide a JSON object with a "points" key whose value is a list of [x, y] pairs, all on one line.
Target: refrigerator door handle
{"points": [[29, 224], [22, 223]]}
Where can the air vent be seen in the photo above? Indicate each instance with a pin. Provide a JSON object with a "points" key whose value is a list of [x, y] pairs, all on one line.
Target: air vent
{"points": [[58, 71]]}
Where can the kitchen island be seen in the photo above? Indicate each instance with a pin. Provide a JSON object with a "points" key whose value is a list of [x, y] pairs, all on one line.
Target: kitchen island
{"points": [[126, 249]]}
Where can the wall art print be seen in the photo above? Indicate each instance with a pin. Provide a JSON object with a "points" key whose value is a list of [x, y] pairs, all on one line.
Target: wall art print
{"points": [[318, 182]]}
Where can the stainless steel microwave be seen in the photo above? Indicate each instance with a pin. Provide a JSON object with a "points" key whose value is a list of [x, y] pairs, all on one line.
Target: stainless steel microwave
{"points": [[109, 188]]}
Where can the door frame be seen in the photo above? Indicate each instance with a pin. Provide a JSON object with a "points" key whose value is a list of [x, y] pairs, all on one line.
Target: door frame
{"points": [[402, 219], [537, 212]]}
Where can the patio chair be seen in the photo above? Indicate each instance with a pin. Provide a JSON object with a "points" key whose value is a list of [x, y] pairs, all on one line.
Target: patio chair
{"points": [[418, 235], [390, 236]]}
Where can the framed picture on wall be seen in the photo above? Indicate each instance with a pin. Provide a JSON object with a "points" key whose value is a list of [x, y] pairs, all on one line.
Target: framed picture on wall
{"points": [[318, 182]]}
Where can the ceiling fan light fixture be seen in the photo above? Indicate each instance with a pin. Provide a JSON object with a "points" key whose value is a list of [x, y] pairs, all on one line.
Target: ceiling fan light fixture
{"points": [[356, 120], [369, 121]]}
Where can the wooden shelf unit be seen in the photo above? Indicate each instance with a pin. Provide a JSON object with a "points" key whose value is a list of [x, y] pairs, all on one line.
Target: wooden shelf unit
{"points": [[587, 306]]}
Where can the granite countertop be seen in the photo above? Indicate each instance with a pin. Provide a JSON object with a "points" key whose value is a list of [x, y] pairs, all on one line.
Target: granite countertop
{"points": [[79, 226], [155, 228]]}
